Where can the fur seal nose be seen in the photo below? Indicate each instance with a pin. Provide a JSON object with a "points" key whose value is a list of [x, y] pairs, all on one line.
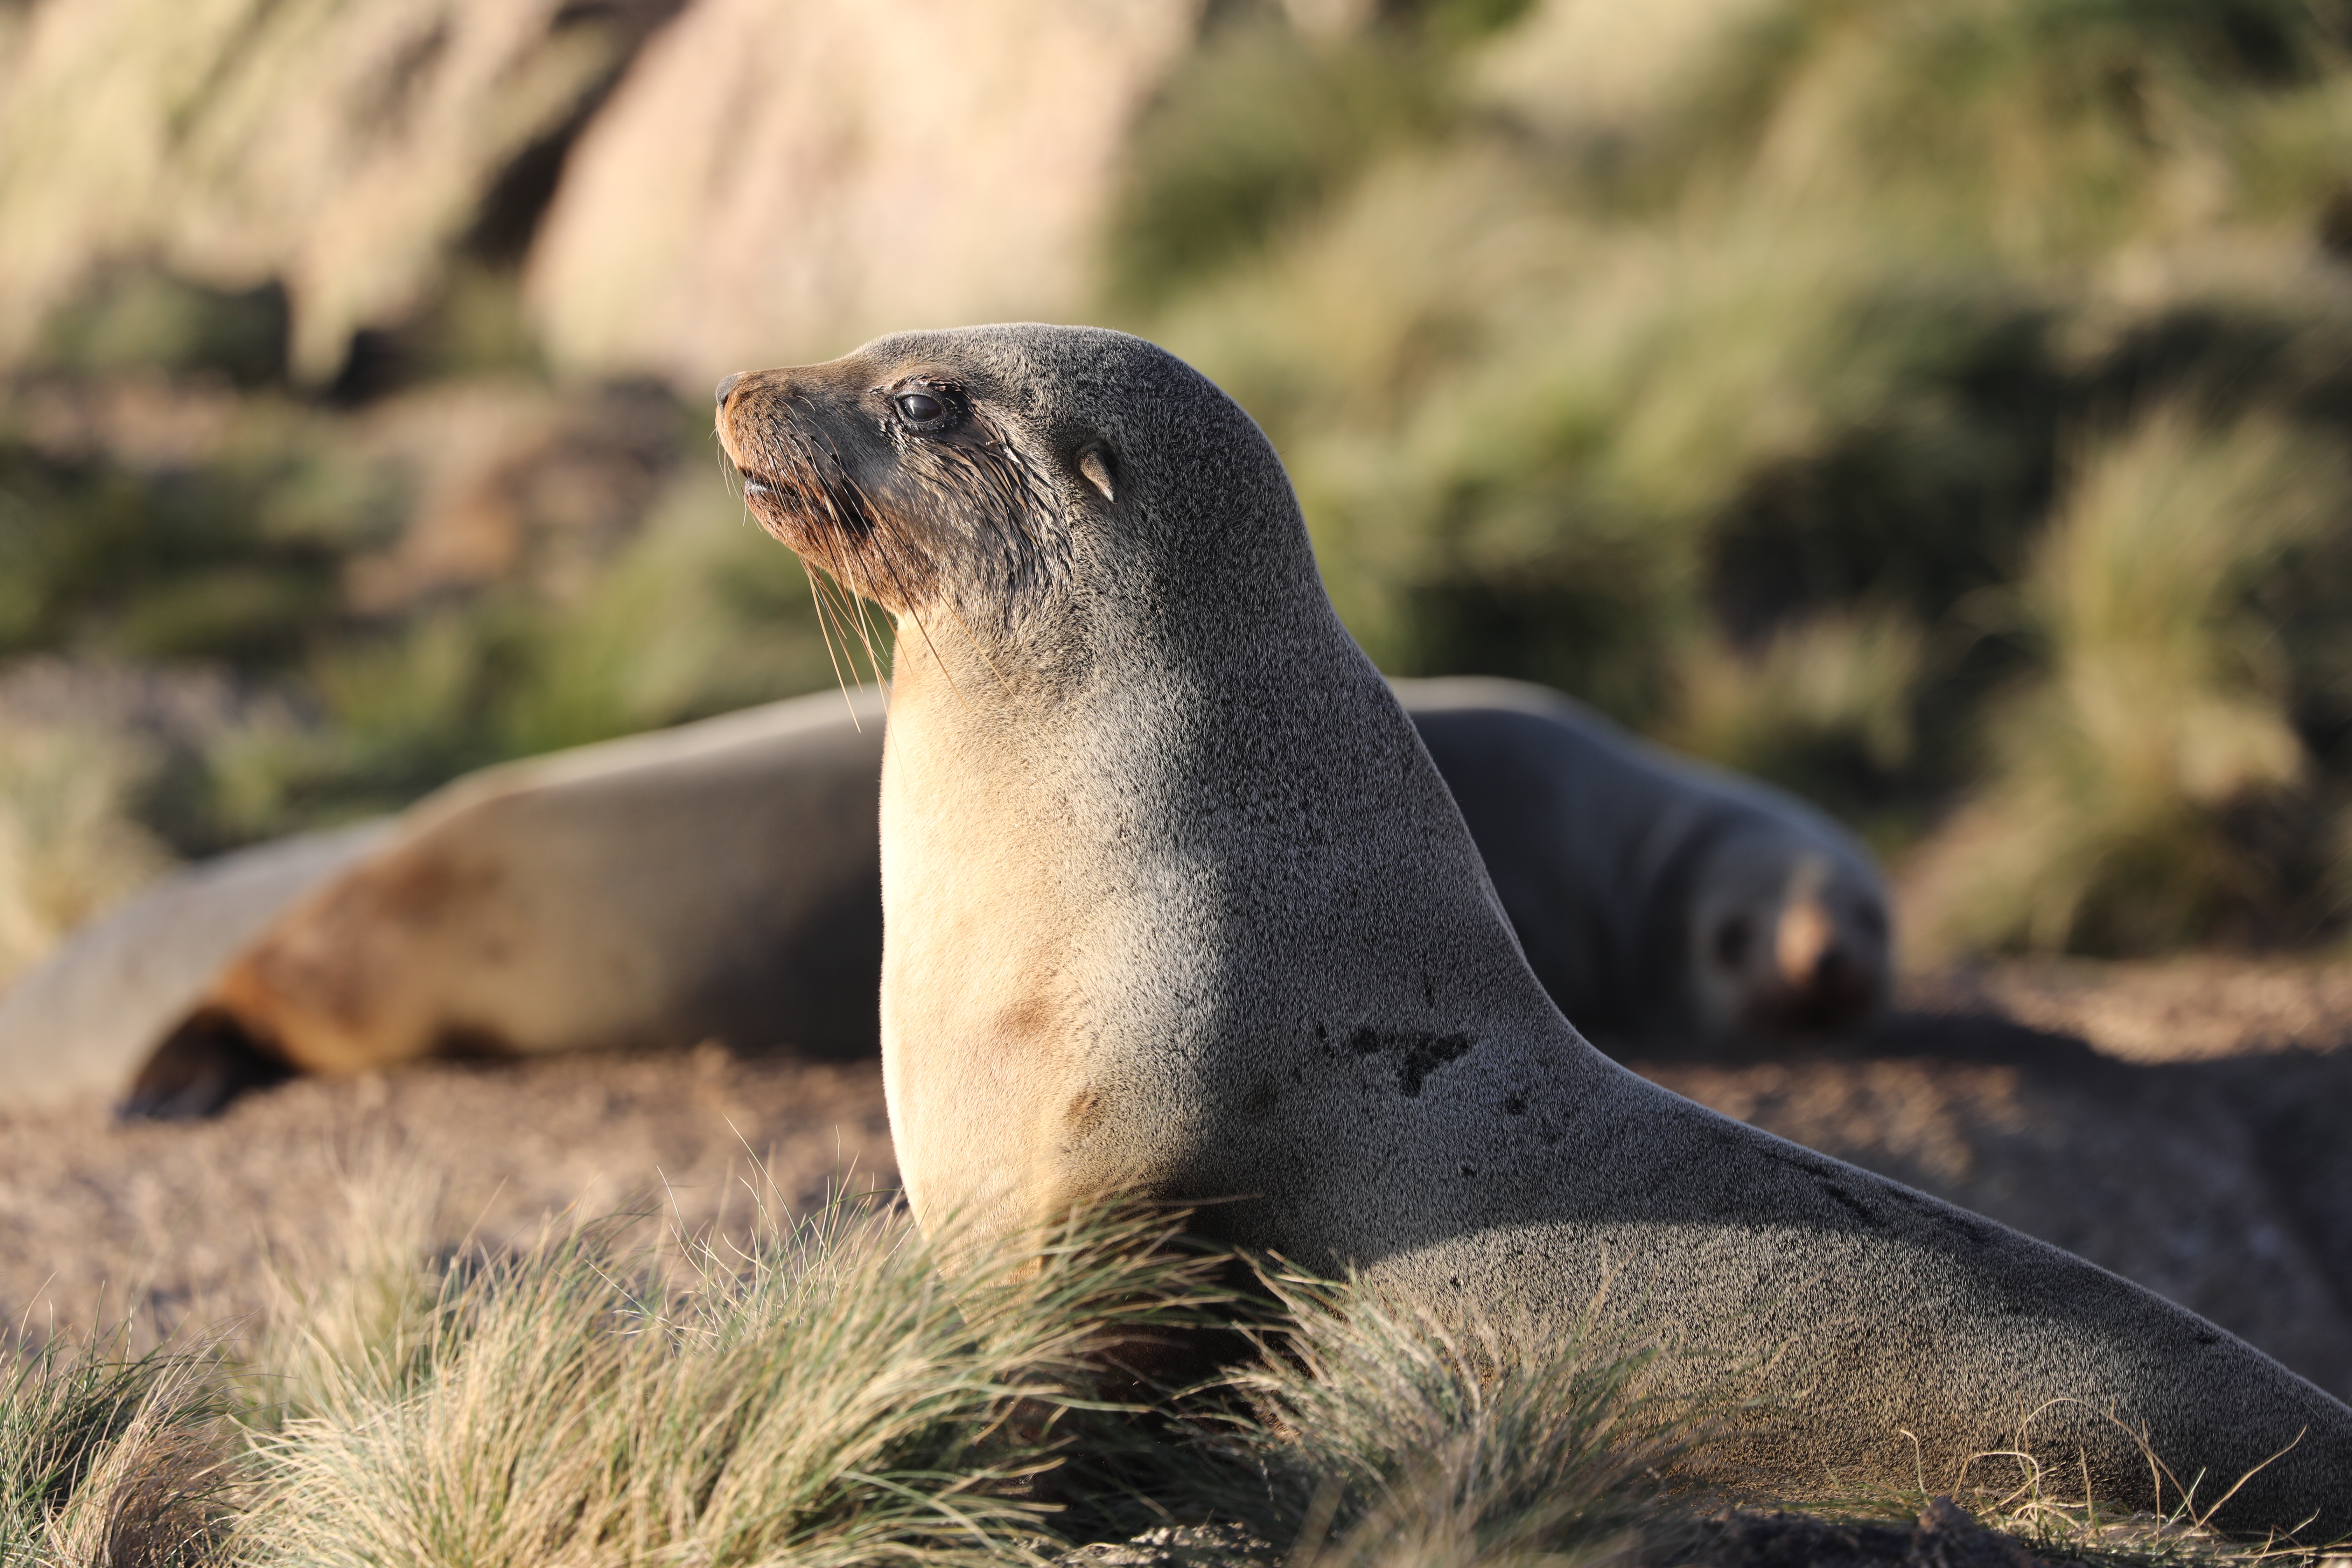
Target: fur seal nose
{"points": [[728, 386]]}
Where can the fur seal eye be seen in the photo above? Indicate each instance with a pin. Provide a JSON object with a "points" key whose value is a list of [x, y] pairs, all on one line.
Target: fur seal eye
{"points": [[1731, 942], [920, 409]]}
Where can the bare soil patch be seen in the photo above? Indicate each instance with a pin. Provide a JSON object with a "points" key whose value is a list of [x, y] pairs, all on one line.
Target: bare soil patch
{"points": [[174, 1220], [2182, 1124]]}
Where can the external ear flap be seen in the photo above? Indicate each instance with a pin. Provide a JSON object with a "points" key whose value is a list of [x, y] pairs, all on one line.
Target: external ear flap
{"points": [[1094, 463]]}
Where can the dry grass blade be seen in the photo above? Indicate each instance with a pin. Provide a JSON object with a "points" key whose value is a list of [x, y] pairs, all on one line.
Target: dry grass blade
{"points": [[817, 1393], [1385, 1438], [109, 1458]]}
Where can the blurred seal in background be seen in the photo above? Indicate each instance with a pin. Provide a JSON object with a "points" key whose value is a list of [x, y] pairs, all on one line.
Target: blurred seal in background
{"points": [[712, 882], [598, 897], [1654, 895]]}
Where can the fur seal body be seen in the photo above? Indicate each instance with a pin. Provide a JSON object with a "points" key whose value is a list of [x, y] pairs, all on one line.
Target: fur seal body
{"points": [[716, 880], [1654, 895], [80, 1024], [1578, 823], [1177, 903]]}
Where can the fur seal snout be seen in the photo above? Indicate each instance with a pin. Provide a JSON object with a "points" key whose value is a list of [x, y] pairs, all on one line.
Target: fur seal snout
{"points": [[1175, 902]]}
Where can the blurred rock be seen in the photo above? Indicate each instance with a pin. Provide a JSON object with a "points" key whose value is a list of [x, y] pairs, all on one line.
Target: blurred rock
{"points": [[515, 486], [345, 150], [777, 180]]}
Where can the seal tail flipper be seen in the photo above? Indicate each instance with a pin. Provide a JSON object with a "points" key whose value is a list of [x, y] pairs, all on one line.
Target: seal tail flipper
{"points": [[206, 1061]]}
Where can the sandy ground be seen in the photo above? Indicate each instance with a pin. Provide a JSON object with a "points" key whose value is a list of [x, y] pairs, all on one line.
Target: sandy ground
{"points": [[2187, 1125]]}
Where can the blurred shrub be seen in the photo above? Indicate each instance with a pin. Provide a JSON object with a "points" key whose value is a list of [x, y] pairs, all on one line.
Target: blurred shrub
{"points": [[399, 594], [699, 613], [142, 319], [69, 841], [2151, 787], [232, 555], [1826, 704], [1728, 386]]}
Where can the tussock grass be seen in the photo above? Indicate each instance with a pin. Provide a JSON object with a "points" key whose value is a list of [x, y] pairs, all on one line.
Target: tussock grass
{"points": [[2132, 783], [1385, 1438], [108, 1458], [1826, 702], [813, 1393], [818, 1390]]}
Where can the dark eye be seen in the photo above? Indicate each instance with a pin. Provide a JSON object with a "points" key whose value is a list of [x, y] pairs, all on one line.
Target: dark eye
{"points": [[920, 408], [1731, 939]]}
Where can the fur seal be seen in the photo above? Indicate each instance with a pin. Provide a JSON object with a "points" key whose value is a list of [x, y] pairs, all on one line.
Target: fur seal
{"points": [[79, 1024], [712, 881], [1654, 895], [1577, 822], [1176, 903]]}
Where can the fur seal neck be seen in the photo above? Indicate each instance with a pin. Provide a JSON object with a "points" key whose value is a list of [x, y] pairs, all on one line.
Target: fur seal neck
{"points": [[1176, 902]]}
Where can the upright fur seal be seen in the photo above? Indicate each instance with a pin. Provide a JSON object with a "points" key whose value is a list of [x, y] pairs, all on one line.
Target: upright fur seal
{"points": [[1654, 895], [1176, 902], [716, 880]]}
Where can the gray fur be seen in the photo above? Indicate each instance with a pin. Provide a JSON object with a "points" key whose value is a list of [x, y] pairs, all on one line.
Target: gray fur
{"points": [[1652, 894], [1176, 899]]}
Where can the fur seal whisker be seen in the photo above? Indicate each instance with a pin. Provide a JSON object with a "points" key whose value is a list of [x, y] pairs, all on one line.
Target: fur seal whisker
{"points": [[825, 630]]}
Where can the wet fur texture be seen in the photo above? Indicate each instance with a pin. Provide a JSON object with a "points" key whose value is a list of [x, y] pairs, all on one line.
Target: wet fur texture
{"points": [[1176, 901]]}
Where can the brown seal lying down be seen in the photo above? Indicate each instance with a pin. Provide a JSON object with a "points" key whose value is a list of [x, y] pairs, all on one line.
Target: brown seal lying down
{"points": [[1176, 903], [1628, 875], [711, 882]]}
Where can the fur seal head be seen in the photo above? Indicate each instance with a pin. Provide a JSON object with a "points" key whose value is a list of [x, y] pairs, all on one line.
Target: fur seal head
{"points": [[1776, 941], [926, 473]]}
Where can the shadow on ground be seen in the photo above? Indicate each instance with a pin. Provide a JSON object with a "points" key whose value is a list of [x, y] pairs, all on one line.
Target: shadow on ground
{"points": [[2220, 1176]]}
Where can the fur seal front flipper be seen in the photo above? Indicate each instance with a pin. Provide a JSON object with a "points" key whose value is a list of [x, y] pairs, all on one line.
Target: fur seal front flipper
{"points": [[1176, 902]]}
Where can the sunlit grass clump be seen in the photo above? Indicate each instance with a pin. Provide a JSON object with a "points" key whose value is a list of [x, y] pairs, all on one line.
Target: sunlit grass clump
{"points": [[837, 1390]]}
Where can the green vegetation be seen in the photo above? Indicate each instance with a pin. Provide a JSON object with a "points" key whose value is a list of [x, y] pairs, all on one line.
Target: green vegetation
{"points": [[783, 1391], [1773, 373], [1738, 376]]}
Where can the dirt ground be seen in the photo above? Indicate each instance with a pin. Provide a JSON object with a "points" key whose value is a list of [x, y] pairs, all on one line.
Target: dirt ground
{"points": [[2187, 1125]]}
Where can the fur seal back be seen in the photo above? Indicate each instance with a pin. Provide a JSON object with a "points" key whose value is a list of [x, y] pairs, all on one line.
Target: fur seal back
{"points": [[1176, 902], [712, 881], [81, 1023]]}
